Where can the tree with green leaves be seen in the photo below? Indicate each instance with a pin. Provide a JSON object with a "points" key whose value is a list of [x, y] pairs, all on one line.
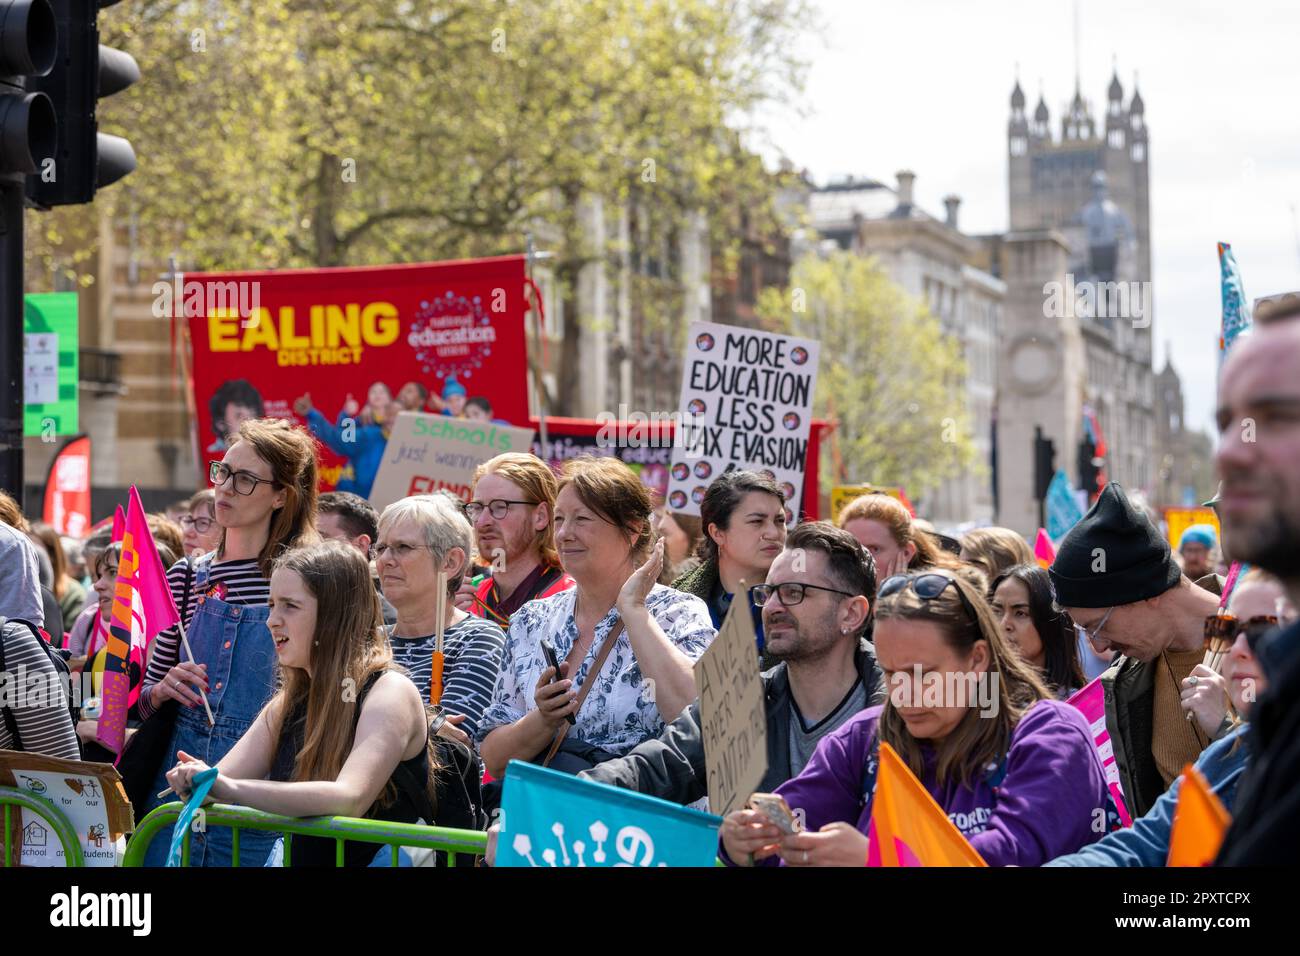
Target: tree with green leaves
{"points": [[889, 376], [287, 133]]}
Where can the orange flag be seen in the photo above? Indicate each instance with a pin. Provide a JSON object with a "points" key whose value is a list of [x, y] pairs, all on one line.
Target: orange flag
{"points": [[907, 827], [1200, 821]]}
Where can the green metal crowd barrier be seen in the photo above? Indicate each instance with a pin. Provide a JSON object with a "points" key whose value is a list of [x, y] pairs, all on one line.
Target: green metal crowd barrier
{"points": [[340, 829], [59, 824]]}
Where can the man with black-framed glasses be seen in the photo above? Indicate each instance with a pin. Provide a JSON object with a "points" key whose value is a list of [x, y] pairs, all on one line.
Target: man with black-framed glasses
{"points": [[1115, 574], [816, 608], [510, 509]]}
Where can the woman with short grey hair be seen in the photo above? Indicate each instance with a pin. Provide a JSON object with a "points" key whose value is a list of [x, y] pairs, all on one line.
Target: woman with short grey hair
{"points": [[420, 537]]}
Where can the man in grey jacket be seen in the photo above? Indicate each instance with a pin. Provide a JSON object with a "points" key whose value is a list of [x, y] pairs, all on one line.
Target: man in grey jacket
{"points": [[816, 616]]}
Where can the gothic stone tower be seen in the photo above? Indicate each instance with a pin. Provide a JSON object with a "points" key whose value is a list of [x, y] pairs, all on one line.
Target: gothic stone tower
{"points": [[1055, 363]]}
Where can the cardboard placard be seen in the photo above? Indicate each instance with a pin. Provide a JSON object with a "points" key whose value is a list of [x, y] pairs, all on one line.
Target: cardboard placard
{"points": [[90, 795], [428, 453], [733, 717], [746, 402]]}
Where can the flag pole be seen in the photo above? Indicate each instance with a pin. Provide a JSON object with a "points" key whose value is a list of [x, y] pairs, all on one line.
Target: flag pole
{"points": [[186, 642]]}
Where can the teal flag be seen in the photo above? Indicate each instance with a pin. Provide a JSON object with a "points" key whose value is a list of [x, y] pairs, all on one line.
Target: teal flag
{"points": [[199, 787], [553, 819], [1063, 510], [1236, 312]]}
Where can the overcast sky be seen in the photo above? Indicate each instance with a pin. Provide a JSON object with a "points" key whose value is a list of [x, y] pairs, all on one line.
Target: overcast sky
{"points": [[926, 85]]}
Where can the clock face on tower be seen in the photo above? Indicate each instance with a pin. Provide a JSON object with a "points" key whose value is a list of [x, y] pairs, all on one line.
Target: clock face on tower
{"points": [[1034, 364]]}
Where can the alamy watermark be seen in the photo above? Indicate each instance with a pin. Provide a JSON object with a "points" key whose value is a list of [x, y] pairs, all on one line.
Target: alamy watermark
{"points": [[973, 689], [208, 297], [637, 429], [1090, 299]]}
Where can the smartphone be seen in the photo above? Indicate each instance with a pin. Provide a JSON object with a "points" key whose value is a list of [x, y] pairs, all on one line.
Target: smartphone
{"points": [[777, 811], [548, 651]]}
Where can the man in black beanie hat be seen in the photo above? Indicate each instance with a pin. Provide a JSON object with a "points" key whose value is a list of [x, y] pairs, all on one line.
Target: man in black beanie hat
{"points": [[1114, 573], [1259, 505]]}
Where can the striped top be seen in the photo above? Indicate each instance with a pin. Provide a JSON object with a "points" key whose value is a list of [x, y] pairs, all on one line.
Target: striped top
{"points": [[39, 701], [472, 651], [244, 585]]}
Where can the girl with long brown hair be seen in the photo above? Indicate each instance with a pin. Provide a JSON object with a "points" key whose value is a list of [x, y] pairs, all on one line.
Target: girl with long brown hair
{"points": [[346, 733], [266, 505], [1015, 770]]}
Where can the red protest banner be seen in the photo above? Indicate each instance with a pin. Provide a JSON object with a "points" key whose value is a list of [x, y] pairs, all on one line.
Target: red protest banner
{"points": [[67, 489], [344, 350]]}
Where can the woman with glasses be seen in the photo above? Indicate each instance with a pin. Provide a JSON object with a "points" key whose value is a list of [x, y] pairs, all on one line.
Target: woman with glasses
{"points": [[625, 645], [265, 504], [1258, 605], [420, 537], [199, 524], [1015, 771]]}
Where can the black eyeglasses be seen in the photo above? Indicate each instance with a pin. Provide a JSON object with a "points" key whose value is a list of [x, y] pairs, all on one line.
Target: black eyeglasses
{"points": [[245, 482], [201, 525], [497, 508], [789, 594], [927, 585]]}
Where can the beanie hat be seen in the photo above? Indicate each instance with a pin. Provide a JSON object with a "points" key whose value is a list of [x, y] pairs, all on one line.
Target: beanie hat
{"points": [[1198, 534], [1114, 555], [453, 387]]}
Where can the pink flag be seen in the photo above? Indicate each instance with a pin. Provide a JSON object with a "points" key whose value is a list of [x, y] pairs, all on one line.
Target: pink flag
{"points": [[1044, 553], [142, 607], [119, 524]]}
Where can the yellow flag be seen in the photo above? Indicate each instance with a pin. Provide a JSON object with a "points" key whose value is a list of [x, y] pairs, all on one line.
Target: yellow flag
{"points": [[1200, 821], [907, 827]]}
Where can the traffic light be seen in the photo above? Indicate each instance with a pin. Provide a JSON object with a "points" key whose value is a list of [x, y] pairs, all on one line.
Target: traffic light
{"points": [[27, 133], [83, 159], [27, 50], [1089, 467], [1044, 463]]}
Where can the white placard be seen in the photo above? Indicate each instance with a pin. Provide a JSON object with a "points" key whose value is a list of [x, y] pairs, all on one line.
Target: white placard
{"points": [[746, 402], [81, 800], [40, 368]]}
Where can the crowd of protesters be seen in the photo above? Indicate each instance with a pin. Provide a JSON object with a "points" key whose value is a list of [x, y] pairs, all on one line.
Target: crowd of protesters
{"points": [[557, 619]]}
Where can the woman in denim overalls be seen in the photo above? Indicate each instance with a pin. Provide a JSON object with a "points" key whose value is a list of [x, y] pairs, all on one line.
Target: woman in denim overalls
{"points": [[265, 503]]}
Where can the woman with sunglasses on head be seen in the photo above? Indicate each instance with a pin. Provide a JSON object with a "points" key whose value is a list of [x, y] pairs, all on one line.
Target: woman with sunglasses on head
{"points": [[199, 524], [265, 504], [1257, 606], [1015, 770]]}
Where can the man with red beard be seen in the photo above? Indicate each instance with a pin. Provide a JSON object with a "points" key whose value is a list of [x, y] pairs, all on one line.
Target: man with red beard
{"points": [[1259, 507], [511, 509]]}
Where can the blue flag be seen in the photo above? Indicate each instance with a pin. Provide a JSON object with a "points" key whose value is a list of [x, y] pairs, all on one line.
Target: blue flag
{"points": [[199, 788], [1063, 510], [1236, 312], [552, 819]]}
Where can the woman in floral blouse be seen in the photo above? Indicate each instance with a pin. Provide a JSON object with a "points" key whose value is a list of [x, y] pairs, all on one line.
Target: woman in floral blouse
{"points": [[603, 533]]}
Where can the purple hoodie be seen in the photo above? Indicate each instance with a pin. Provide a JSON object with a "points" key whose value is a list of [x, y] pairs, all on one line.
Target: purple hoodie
{"points": [[1049, 803]]}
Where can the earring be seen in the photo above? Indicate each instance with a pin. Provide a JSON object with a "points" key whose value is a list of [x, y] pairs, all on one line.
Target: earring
{"points": [[315, 643]]}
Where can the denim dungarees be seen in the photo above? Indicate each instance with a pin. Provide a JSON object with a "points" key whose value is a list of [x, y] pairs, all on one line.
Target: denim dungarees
{"points": [[236, 645]]}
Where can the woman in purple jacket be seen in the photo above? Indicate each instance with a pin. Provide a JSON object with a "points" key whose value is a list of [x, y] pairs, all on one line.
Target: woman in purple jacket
{"points": [[1015, 770]]}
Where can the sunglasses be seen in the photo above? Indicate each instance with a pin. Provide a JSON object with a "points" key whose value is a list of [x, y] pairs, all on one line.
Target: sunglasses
{"points": [[926, 585], [1222, 630]]}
